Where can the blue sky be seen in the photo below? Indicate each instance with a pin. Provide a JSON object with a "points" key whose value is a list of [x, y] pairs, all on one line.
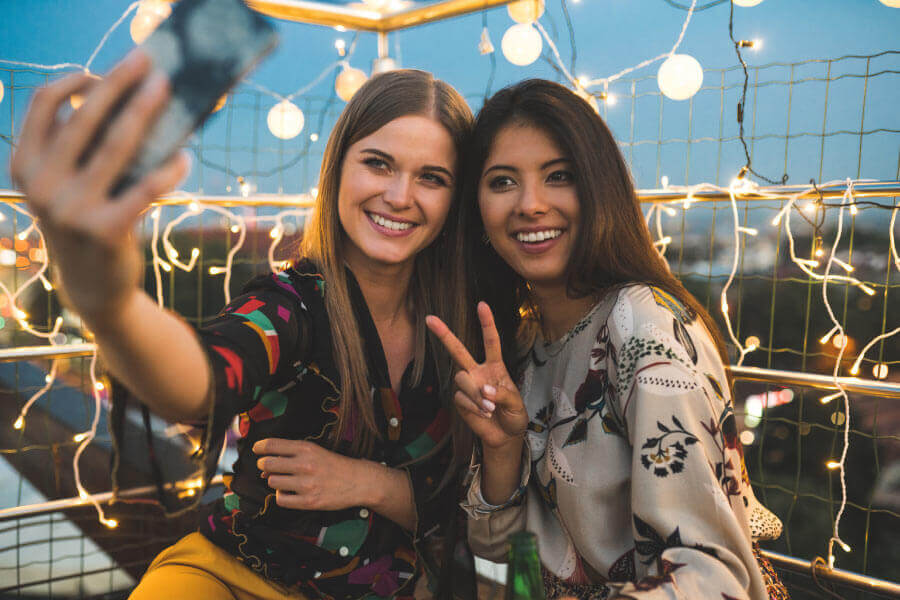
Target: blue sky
{"points": [[610, 35]]}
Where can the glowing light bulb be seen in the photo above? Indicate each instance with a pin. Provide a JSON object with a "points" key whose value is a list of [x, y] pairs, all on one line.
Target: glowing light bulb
{"points": [[220, 103], [341, 46], [149, 15], [216, 270], [855, 370], [485, 45], [749, 230], [829, 397], [235, 228], [275, 232], [880, 370], [111, 523], [525, 11], [833, 464], [348, 82], [165, 266], [680, 76], [314, 137], [82, 494], [609, 98], [751, 343], [79, 437], [747, 437], [839, 341], [314, 192], [285, 120], [19, 424], [522, 44], [746, 3]]}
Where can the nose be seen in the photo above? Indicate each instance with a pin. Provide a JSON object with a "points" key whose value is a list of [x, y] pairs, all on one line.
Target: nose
{"points": [[531, 199], [399, 192]]}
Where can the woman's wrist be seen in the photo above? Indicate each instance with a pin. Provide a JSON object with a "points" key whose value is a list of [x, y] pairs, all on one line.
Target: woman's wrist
{"points": [[501, 471]]}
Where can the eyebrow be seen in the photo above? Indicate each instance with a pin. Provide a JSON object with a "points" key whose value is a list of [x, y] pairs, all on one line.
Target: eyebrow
{"points": [[547, 164], [387, 156]]}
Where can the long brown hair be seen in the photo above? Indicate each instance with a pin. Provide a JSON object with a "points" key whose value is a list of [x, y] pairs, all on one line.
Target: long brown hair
{"points": [[613, 247], [380, 100]]}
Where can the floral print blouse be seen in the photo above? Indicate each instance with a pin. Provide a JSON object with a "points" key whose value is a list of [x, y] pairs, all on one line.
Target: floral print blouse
{"points": [[271, 356], [633, 478]]}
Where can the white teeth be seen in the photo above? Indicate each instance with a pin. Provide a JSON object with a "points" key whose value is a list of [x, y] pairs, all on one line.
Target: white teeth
{"points": [[538, 236], [388, 223]]}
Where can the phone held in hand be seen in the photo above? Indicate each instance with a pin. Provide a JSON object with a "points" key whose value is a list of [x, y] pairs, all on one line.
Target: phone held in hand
{"points": [[205, 47]]}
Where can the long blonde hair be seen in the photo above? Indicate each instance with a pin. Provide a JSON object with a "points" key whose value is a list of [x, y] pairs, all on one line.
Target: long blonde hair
{"points": [[382, 99]]}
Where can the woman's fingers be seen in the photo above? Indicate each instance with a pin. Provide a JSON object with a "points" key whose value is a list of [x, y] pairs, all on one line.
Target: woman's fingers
{"points": [[38, 122], [98, 108], [455, 347], [492, 350], [468, 408], [274, 465], [127, 132]]}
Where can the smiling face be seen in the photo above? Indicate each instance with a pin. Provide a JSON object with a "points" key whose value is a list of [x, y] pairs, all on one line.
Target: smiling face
{"points": [[395, 191], [529, 204]]}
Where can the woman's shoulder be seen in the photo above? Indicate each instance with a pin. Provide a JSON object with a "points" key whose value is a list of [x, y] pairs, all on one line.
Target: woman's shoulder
{"points": [[301, 280], [639, 304]]}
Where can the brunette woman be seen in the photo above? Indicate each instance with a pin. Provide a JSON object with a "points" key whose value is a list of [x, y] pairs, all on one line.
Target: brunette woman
{"points": [[345, 465], [619, 448]]}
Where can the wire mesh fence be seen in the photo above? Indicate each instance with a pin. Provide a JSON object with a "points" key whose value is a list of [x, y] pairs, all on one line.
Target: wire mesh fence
{"points": [[821, 120]]}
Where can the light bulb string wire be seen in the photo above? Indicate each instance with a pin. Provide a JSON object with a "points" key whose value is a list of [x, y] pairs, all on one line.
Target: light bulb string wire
{"points": [[649, 61], [742, 103]]}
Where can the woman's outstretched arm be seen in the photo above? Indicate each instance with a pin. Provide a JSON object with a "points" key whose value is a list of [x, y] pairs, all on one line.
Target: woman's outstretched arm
{"points": [[67, 169]]}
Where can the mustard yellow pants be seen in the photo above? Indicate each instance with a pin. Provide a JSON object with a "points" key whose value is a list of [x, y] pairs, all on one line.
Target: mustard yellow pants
{"points": [[197, 569]]}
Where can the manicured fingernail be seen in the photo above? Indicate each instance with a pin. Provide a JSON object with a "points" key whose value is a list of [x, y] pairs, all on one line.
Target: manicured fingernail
{"points": [[489, 390], [488, 405]]}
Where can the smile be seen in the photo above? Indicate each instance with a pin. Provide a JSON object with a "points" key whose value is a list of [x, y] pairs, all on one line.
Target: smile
{"points": [[534, 237], [389, 224]]}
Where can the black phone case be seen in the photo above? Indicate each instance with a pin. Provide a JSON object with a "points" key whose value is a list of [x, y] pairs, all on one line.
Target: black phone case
{"points": [[205, 47]]}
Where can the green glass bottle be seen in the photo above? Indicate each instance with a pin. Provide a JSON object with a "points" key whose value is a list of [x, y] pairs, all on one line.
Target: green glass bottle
{"points": [[523, 571]]}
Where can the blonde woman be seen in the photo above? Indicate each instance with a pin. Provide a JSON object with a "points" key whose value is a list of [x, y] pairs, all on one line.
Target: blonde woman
{"points": [[344, 438]]}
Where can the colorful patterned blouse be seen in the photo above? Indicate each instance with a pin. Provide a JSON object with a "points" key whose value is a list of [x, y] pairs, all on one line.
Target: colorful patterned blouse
{"points": [[271, 356], [633, 478]]}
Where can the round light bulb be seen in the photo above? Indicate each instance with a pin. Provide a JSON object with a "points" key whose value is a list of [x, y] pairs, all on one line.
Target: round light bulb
{"points": [[525, 11], [746, 2], [285, 120], [880, 371], [680, 76], [522, 44], [149, 15], [348, 81], [891, 3]]}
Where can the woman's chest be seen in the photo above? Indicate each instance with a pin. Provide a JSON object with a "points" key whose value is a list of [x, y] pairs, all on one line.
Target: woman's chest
{"points": [[577, 449]]}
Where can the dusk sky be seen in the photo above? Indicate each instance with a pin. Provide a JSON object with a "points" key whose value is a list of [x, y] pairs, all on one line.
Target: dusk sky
{"points": [[610, 35]]}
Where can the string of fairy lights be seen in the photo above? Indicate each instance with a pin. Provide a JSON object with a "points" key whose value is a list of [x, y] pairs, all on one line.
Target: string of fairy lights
{"points": [[679, 77]]}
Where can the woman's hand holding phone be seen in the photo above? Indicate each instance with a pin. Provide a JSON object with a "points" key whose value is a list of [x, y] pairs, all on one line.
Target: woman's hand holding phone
{"points": [[68, 168], [487, 398]]}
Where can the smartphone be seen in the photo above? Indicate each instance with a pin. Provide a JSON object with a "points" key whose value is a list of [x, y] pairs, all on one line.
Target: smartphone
{"points": [[205, 47]]}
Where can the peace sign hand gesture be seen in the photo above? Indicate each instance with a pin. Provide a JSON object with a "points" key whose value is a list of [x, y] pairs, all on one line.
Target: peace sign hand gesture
{"points": [[487, 398]]}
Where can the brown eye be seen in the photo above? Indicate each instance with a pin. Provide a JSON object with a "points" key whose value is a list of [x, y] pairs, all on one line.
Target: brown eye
{"points": [[501, 183], [561, 177]]}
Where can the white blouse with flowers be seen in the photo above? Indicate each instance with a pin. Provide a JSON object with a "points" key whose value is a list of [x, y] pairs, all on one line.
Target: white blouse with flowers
{"points": [[634, 480]]}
